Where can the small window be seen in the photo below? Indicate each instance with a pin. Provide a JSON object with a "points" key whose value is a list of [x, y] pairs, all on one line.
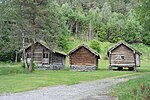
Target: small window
{"points": [[45, 55], [122, 57], [28, 55]]}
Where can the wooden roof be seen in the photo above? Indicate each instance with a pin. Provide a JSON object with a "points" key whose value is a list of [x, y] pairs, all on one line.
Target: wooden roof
{"points": [[54, 51], [125, 44], [86, 47]]}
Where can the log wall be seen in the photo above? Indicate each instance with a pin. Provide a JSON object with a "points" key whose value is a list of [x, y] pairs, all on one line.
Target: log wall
{"points": [[83, 57], [52, 61], [122, 55]]}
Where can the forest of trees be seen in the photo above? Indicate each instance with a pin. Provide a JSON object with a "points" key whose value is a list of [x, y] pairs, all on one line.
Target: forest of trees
{"points": [[54, 21]]}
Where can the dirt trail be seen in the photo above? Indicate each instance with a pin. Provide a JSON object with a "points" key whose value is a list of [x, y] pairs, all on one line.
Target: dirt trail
{"points": [[95, 90]]}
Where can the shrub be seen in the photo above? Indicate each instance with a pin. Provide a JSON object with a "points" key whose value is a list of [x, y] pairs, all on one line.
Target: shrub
{"points": [[34, 66], [95, 45], [62, 43], [23, 65]]}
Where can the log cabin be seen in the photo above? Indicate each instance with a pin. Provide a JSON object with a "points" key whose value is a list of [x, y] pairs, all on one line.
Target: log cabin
{"points": [[83, 58], [122, 55], [45, 58]]}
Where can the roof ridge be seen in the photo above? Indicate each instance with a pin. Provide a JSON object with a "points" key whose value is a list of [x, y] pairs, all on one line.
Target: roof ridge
{"points": [[87, 47], [45, 45], [126, 44]]}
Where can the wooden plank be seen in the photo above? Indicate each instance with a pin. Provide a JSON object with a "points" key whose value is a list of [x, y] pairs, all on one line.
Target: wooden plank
{"points": [[110, 67], [135, 61], [48, 57], [123, 65]]}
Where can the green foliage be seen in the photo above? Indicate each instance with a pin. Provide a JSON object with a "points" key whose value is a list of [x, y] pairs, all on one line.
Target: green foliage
{"points": [[62, 43], [144, 18], [146, 38], [56, 21], [23, 65], [34, 66], [95, 45], [7, 56], [136, 89], [133, 29], [12, 70]]}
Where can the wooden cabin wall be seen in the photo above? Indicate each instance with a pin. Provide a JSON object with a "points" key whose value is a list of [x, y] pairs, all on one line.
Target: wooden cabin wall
{"points": [[38, 53], [96, 62], [137, 59], [122, 51], [83, 57], [58, 59], [45, 58]]}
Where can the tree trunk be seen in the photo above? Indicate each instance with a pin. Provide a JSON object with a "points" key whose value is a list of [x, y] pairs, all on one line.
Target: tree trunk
{"points": [[16, 57], [25, 59], [33, 37], [90, 30], [24, 53], [71, 25], [77, 29], [32, 54]]}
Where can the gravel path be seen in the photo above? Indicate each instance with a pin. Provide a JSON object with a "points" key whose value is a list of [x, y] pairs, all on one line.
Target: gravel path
{"points": [[95, 90]]}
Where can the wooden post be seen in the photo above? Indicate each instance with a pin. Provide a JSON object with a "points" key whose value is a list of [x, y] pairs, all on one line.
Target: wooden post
{"points": [[110, 67], [96, 63], [48, 57], [70, 61], [64, 61], [51, 61], [42, 56], [135, 61]]}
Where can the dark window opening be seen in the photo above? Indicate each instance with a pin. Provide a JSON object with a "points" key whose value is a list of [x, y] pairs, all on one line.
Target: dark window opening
{"points": [[122, 57], [28, 55], [45, 55]]}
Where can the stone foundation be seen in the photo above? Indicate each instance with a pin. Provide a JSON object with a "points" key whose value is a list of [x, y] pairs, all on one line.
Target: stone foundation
{"points": [[82, 68], [50, 67]]}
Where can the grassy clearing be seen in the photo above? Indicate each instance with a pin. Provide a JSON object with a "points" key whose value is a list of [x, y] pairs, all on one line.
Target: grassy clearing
{"points": [[136, 89], [11, 68], [13, 82], [15, 79], [39, 78]]}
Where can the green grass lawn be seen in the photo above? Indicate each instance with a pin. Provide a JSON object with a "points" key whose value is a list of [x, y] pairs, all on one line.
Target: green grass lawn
{"points": [[136, 89], [41, 78], [12, 80]]}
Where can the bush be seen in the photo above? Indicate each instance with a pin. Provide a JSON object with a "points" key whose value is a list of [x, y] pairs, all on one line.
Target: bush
{"points": [[23, 65], [62, 43], [95, 45], [34, 66], [9, 56]]}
